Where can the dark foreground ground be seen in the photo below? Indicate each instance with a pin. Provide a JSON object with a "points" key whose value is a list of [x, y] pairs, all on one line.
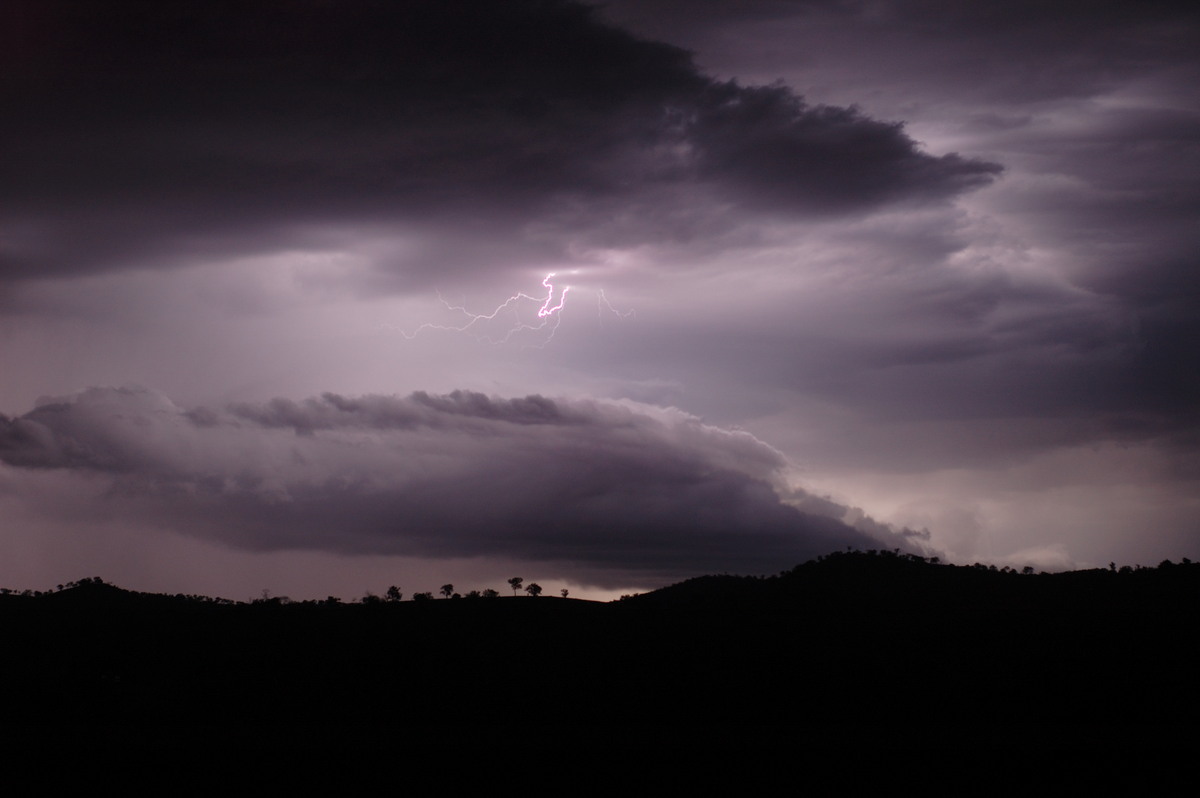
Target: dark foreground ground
{"points": [[854, 650]]}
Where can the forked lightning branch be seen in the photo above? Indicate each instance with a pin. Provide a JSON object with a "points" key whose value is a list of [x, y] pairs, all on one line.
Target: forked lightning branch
{"points": [[532, 320]]}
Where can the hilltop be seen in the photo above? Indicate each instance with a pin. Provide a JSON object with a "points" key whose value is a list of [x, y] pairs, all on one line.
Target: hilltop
{"points": [[875, 643]]}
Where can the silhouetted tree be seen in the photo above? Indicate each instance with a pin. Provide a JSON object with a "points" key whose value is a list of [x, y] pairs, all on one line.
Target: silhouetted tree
{"points": [[564, 592], [515, 584], [422, 596], [490, 593], [534, 589], [393, 594], [447, 590]]}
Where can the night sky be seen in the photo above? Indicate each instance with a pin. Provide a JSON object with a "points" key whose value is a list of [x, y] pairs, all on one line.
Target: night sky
{"points": [[275, 310]]}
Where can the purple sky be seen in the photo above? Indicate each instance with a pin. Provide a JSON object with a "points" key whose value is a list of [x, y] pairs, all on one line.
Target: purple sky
{"points": [[881, 274]]}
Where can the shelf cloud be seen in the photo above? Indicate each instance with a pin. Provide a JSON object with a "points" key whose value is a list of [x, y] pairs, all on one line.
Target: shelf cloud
{"points": [[589, 485]]}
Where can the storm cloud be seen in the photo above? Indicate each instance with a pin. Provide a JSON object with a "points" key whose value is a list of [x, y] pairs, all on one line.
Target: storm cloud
{"points": [[213, 128], [587, 485]]}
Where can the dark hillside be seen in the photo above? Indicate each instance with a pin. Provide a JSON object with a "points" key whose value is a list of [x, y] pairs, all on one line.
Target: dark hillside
{"points": [[854, 644]]}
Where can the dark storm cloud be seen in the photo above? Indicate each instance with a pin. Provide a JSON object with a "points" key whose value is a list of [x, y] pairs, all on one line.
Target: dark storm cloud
{"points": [[602, 487], [1124, 214], [773, 149], [138, 133], [1092, 109], [1030, 51], [1012, 52]]}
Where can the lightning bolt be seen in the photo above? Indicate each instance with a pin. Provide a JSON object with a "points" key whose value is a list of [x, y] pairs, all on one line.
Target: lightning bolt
{"points": [[603, 304], [519, 309], [545, 310], [524, 319]]}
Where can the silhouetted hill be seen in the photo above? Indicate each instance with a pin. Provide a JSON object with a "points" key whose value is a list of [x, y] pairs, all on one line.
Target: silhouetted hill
{"points": [[98, 595], [875, 644]]}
